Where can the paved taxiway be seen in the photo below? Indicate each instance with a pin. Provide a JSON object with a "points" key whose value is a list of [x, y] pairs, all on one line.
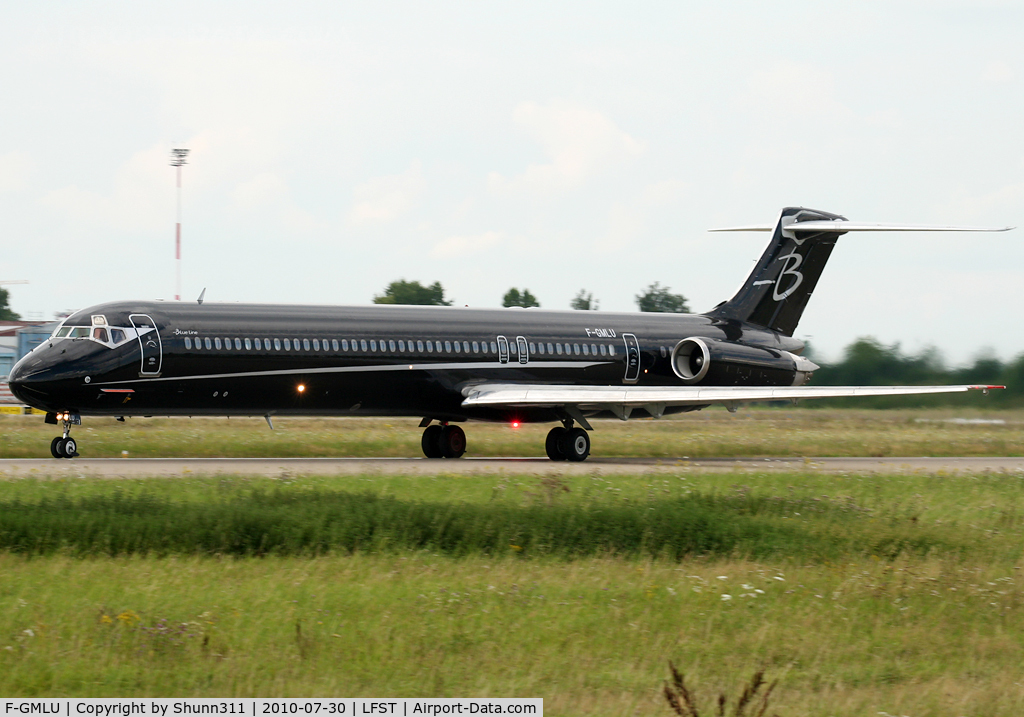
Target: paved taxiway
{"points": [[278, 467]]}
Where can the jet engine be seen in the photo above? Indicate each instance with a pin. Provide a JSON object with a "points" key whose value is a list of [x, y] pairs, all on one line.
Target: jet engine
{"points": [[713, 362]]}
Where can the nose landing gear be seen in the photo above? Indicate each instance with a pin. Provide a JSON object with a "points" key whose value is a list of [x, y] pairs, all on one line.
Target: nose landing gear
{"points": [[65, 446]]}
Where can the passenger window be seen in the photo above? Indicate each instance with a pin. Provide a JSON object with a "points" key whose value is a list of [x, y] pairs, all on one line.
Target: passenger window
{"points": [[248, 345], [430, 347], [287, 344], [391, 345], [533, 348], [238, 344], [362, 344], [458, 347], [476, 347], [447, 347], [551, 349], [216, 342], [586, 350], [316, 344], [576, 349], [568, 349], [604, 350], [206, 342], [373, 344], [664, 352], [559, 348], [401, 345], [611, 350], [334, 344], [494, 347], [344, 344], [188, 342], [419, 346], [593, 349], [259, 344], [437, 345], [117, 336], [305, 344]]}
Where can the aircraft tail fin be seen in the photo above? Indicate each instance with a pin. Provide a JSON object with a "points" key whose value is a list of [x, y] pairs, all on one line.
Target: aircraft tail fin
{"points": [[781, 284]]}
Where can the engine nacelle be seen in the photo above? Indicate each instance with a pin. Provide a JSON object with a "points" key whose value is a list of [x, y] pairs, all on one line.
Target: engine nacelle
{"points": [[724, 363]]}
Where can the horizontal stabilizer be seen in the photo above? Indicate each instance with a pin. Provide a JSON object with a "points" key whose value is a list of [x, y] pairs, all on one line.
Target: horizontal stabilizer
{"points": [[840, 225], [845, 226], [748, 228]]}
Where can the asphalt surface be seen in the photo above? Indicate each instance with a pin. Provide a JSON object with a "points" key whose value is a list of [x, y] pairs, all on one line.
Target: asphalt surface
{"points": [[279, 467]]}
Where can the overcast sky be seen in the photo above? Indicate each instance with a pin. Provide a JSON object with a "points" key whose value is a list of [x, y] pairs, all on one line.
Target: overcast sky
{"points": [[552, 146]]}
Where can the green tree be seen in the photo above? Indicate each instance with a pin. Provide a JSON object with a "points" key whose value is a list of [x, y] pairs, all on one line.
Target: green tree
{"points": [[584, 301], [412, 292], [657, 298], [5, 310], [514, 298]]}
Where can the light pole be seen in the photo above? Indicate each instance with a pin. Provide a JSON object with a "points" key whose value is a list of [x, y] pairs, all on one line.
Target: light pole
{"points": [[178, 160]]}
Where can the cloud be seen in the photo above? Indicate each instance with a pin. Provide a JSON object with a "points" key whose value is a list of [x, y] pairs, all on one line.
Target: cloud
{"points": [[579, 142], [140, 199], [997, 73], [456, 246], [16, 168], [267, 192], [384, 199], [1007, 200]]}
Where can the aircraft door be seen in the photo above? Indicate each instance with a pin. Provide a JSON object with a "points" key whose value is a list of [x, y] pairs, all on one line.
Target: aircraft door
{"points": [[502, 349], [524, 350], [632, 359], [149, 341]]}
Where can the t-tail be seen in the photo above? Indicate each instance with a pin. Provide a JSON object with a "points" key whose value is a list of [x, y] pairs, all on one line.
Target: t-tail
{"points": [[781, 284]]}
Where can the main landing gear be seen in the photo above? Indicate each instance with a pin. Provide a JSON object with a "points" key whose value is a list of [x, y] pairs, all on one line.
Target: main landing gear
{"points": [[444, 441], [65, 446], [566, 443]]}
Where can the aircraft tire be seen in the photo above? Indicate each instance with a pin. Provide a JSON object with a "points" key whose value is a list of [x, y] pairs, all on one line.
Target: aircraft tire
{"points": [[453, 442], [56, 450], [70, 448], [576, 444], [553, 444], [431, 442]]}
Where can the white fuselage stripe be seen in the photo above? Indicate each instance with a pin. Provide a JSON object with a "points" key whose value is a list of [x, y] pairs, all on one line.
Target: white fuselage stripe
{"points": [[471, 365]]}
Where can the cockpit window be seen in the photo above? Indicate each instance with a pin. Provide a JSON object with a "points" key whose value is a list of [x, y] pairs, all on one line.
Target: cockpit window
{"points": [[62, 332], [79, 332], [117, 336], [100, 334]]}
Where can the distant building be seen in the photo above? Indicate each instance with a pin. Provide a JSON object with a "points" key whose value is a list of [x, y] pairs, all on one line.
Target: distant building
{"points": [[17, 338]]}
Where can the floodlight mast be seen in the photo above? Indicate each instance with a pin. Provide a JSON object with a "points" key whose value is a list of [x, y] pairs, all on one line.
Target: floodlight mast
{"points": [[178, 160]]}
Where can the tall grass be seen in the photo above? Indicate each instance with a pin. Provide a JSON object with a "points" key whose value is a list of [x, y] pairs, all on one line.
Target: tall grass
{"points": [[314, 522]]}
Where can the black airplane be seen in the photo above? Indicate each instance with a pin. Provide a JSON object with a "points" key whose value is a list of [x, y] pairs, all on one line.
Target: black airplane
{"points": [[446, 364]]}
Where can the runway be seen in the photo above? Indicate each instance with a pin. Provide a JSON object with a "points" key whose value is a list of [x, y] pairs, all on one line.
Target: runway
{"points": [[290, 467]]}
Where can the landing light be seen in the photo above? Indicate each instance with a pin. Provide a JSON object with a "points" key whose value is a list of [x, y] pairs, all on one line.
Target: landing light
{"points": [[515, 424], [301, 388]]}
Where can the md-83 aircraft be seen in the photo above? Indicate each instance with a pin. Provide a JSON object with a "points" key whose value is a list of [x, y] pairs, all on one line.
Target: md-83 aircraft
{"points": [[447, 365]]}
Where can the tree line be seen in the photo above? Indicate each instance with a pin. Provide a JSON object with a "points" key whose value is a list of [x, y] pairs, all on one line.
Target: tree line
{"points": [[868, 362], [654, 298]]}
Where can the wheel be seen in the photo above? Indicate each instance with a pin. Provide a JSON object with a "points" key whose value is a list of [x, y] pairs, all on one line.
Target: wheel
{"points": [[431, 442], [553, 444], [70, 448], [453, 442], [56, 450], [576, 444]]}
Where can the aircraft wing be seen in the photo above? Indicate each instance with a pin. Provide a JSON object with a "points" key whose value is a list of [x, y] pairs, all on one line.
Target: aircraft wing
{"points": [[620, 400]]}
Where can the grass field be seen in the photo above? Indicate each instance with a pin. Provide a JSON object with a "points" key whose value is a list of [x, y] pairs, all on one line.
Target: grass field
{"points": [[709, 433], [861, 594]]}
